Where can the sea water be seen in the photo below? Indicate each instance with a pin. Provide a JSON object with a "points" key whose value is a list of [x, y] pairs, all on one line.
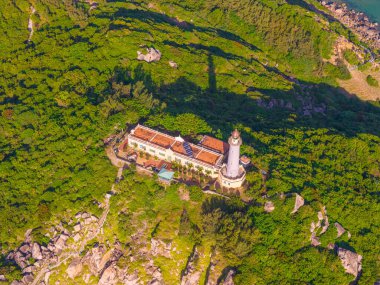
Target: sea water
{"points": [[370, 7]]}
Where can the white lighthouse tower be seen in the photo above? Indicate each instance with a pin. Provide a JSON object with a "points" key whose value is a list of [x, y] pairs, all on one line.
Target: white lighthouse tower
{"points": [[234, 155], [232, 175]]}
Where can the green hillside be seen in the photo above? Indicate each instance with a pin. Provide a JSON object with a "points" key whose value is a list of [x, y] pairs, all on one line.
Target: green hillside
{"points": [[259, 66]]}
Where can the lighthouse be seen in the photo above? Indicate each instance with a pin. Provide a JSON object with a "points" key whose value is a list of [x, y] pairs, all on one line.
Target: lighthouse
{"points": [[232, 174], [233, 164]]}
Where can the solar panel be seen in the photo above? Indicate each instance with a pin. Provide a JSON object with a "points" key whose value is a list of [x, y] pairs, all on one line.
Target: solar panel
{"points": [[188, 149]]}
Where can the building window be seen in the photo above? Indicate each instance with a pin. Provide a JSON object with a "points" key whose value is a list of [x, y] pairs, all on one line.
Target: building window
{"points": [[162, 154], [152, 150], [143, 147], [177, 160]]}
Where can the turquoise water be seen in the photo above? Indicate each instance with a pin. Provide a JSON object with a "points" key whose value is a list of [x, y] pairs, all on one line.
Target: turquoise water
{"points": [[370, 7]]}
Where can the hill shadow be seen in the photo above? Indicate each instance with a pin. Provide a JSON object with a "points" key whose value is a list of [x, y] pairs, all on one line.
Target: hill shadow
{"points": [[154, 18], [312, 105]]}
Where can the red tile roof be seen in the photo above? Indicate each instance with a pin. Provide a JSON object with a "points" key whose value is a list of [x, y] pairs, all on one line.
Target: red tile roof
{"points": [[214, 144], [205, 152]]}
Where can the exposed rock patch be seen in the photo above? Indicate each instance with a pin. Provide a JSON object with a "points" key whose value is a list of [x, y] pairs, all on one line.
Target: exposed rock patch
{"points": [[340, 230], [351, 261], [269, 207], [191, 275], [151, 56], [298, 203]]}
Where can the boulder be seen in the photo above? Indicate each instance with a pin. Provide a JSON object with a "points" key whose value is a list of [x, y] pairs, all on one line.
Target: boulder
{"points": [[298, 203], [19, 258], [25, 248], [77, 227], [131, 279], [109, 276], [2, 278], [75, 268], [61, 242], [340, 230], [88, 221], [314, 240], [93, 259], [76, 237], [36, 251], [173, 64], [85, 215], [29, 269], [28, 278], [269, 207], [151, 56], [351, 261], [17, 283]]}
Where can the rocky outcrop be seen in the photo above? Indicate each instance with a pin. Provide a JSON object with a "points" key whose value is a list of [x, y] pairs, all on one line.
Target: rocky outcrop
{"points": [[155, 272], [307, 105], [269, 207], [351, 261], [30, 23], [319, 227], [358, 22], [298, 203], [191, 275], [151, 56]]}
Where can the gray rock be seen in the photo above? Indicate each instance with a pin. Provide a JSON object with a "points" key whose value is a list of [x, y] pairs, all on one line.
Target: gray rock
{"points": [[75, 268], [351, 261], [269, 207], [298, 203], [173, 64], [77, 227], [76, 237], [340, 230], [314, 240], [36, 251], [151, 56], [109, 276], [25, 248], [29, 269], [28, 278]]}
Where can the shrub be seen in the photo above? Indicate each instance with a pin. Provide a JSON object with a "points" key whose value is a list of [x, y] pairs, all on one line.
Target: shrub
{"points": [[372, 81]]}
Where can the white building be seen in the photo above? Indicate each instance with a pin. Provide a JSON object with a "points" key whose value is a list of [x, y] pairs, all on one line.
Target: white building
{"points": [[208, 156]]}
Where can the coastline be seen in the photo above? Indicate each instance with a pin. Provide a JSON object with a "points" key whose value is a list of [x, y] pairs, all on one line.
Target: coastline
{"points": [[358, 22]]}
